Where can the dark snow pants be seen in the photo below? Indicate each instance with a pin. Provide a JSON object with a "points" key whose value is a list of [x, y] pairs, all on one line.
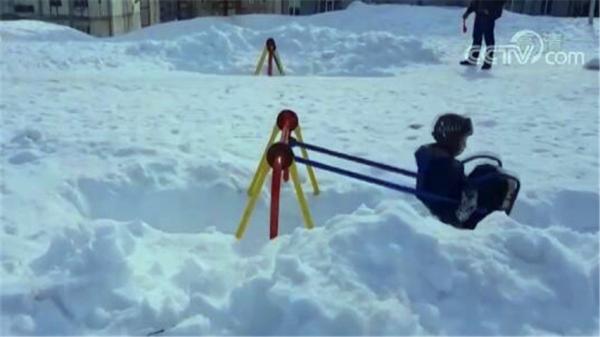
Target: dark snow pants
{"points": [[483, 28]]}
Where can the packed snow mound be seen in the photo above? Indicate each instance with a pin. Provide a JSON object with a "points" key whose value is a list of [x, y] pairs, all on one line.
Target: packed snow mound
{"points": [[214, 46], [29, 30], [304, 50], [352, 277]]}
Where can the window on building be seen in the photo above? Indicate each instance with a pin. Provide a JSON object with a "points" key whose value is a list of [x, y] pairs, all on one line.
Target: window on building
{"points": [[54, 5], [80, 7], [294, 7], [24, 9], [184, 10], [81, 4], [329, 5], [546, 7]]}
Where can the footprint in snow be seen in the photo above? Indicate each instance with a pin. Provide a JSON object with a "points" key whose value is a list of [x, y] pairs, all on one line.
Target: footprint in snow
{"points": [[23, 158]]}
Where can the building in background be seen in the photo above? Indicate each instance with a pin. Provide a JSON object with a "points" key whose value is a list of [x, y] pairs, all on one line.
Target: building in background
{"points": [[113, 17], [552, 7], [96, 17], [422, 2], [307, 7], [531, 7], [149, 12], [186, 9]]}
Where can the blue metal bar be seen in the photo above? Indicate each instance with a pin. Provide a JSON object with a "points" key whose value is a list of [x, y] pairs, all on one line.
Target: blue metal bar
{"points": [[482, 156], [372, 180], [294, 142]]}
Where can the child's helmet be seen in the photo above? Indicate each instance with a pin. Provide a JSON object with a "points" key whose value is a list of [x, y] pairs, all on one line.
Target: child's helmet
{"points": [[450, 128]]}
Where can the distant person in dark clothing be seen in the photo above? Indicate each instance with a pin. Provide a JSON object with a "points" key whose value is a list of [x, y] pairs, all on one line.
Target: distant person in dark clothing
{"points": [[459, 200], [486, 14]]}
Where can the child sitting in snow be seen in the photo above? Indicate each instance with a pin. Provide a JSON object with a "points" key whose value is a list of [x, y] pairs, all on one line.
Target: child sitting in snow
{"points": [[440, 174]]}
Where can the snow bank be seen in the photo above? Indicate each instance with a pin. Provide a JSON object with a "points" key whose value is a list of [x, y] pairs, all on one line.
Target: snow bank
{"points": [[369, 272], [217, 46], [37, 31], [304, 51]]}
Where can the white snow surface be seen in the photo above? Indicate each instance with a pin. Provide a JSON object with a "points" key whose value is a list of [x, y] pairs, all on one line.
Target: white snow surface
{"points": [[125, 163]]}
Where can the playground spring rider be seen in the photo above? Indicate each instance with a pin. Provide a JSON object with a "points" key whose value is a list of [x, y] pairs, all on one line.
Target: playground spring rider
{"points": [[270, 50], [281, 158]]}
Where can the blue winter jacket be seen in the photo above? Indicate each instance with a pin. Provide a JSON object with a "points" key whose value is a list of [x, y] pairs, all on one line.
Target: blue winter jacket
{"points": [[441, 174]]}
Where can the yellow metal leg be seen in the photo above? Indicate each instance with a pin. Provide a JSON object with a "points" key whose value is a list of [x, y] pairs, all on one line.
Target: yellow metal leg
{"points": [[308, 221], [262, 174], [252, 190], [263, 160], [279, 64], [261, 61], [311, 172]]}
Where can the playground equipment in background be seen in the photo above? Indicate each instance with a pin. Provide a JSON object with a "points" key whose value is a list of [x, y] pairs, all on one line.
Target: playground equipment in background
{"points": [[280, 159], [270, 50]]}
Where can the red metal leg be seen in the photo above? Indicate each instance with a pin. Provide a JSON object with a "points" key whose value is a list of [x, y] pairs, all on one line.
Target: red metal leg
{"points": [[287, 121], [270, 64], [271, 47], [280, 157], [286, 175], [275, 189]]}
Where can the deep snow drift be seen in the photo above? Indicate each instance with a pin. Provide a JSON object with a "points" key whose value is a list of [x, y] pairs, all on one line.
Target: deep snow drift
{"points": [[125, 163]]}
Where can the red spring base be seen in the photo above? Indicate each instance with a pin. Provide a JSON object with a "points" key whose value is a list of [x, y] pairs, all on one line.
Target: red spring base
{"points": [[270, 64], [280, 158], [275, 189], [271, 46]]}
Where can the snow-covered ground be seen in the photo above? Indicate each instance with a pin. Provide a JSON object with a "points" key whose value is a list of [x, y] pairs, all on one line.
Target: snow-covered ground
{"points": [[125, 163]]}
